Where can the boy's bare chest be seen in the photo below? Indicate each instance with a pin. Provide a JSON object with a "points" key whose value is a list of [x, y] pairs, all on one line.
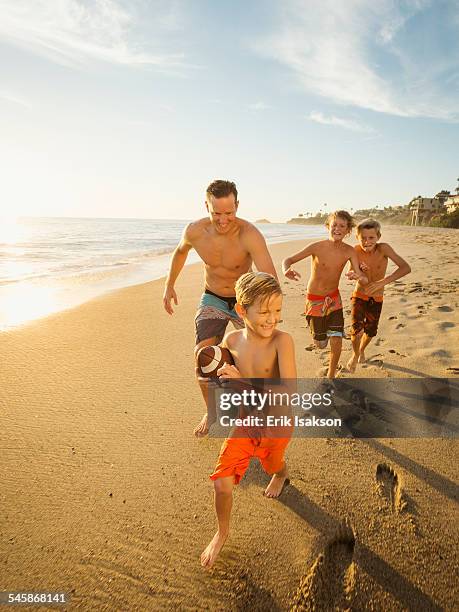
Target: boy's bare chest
{"points": [[256, 363], [376, 262], [222, 252], [327, 259]]}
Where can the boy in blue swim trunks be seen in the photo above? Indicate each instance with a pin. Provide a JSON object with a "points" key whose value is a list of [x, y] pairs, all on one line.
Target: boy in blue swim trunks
{"points": [[228, 246]]}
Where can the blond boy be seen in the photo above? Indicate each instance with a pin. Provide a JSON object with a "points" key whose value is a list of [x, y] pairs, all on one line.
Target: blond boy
{"points": [[259, 351], [324, 308], [367, 300]]}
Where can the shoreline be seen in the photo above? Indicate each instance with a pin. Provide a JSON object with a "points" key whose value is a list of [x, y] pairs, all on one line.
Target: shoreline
{"points": [[51, 295], [66, 293]]}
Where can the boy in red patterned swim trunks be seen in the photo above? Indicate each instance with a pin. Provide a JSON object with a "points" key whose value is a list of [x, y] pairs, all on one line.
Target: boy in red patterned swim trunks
{"points": [[324, 309], [367, 300]]}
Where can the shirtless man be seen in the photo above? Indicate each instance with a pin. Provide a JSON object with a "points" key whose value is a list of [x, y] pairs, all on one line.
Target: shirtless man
{"points": [[367, 300], [228, 246], [324, 308]]}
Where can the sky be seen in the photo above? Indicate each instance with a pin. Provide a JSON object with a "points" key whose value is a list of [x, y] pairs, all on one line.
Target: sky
{"points": [[130, 108]]}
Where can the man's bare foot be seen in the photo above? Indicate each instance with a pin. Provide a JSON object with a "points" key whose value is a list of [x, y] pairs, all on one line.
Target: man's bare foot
{"points": [[201, 429], [276, 485], [362, 357], [352, 363], [210, 554]]}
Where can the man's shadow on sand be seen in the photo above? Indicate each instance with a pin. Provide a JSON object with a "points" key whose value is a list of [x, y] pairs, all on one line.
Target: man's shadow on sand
{"points": [[409, 595]]}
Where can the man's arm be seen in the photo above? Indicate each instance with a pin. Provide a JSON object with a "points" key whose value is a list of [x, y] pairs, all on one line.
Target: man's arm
{"points": [[256, 246], [177, 262], [289, 261], [403, 268]]}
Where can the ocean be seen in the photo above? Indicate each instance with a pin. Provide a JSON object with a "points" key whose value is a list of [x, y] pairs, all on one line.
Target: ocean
{"points": [[49, 264]]}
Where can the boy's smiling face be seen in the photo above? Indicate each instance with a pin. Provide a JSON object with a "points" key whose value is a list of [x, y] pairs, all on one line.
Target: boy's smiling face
{"points": [[368, 239], [338, 229], [263, 315]]}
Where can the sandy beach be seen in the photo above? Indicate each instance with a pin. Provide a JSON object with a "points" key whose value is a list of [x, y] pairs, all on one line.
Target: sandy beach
{"points": [[106, 493]]}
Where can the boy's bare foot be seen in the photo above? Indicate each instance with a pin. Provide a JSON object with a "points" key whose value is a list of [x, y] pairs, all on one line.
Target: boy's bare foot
{"points": [[210, 554], [201, 429], [352, 363], [276, 485], [362, 358]]}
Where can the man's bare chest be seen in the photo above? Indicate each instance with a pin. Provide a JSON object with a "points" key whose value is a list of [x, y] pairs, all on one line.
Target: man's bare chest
{"points": [[222, 253]]}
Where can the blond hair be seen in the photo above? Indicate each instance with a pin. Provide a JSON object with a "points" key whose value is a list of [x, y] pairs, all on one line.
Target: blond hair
{"points": [[342, 214], [253, 285], [368, 224]]}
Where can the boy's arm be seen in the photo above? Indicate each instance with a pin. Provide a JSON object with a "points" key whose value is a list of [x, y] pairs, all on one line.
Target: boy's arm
{"points": [[287, 382], [286, 356], [355, 272], [402, 270], [228, 370], [289, 261], [177, 262]]}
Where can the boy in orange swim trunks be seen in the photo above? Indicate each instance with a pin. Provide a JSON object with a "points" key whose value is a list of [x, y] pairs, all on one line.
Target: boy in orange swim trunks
{"points": [[367, 300], [259, 351], [324, 308]]}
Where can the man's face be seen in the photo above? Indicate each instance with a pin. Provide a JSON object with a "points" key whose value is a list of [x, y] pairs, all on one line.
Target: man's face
{"points": [[222, 212], [263, 315], [338, 229], [368, 239]]}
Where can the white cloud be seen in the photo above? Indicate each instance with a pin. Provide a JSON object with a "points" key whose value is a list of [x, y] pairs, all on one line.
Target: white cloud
{"points": [[363, 53], [259, 106], [348, 124], [14, 98], [74, 32]]}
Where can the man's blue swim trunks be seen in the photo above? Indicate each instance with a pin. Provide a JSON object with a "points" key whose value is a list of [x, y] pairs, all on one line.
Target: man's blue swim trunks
{"points": [[213, 314]]}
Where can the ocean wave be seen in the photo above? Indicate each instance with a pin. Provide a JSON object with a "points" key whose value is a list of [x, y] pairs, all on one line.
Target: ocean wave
{"points": [[72, 267]]}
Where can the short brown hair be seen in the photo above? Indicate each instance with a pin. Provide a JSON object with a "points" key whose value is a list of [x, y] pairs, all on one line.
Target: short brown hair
{"points": [[253, 285], [221, 189], [342, 214], [368, 224]]}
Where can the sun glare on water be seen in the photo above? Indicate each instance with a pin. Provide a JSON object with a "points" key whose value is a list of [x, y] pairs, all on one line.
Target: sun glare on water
{"points": [[23, 302], [12, 230]]}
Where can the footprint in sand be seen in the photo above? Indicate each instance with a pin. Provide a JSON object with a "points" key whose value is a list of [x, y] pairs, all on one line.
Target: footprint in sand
{"points": [[453, 370], [330, 583], [389, 487], [446, 325]]}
